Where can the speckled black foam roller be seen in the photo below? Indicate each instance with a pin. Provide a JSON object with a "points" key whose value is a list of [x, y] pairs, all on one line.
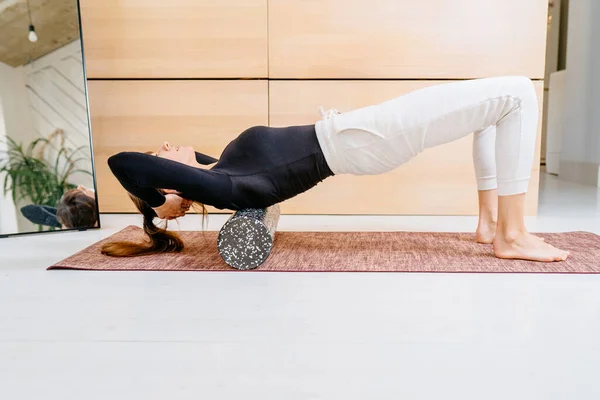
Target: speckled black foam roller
{"points": [[246, 239]]}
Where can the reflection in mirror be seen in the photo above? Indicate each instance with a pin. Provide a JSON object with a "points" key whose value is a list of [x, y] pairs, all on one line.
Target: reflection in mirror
{"points": [[46, 169]]}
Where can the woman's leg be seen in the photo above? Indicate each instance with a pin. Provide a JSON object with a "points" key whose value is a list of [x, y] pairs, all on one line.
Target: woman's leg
{"points": [[506, 172], [488, 215], [484, 160], [379, 138], [503, 158], [515, 146]]}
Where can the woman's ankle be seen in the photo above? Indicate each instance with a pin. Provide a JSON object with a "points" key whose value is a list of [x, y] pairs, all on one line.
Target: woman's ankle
{"points": [[488, 217], [510, 232]]}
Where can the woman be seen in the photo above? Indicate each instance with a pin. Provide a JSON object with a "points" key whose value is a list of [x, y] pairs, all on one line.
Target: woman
{"points": [[264, 165], [77, 208]]}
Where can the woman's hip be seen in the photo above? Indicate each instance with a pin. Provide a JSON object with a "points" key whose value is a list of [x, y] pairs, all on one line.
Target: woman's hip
{"points": [[379, 138]]}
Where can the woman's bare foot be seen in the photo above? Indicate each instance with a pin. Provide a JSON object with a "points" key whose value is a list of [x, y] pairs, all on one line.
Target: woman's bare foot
{"points": [[489, 212], [486, 231], [525, 246]]}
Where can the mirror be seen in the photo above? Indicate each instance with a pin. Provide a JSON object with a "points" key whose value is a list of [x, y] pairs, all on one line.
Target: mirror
{"points": [[47, 180]]}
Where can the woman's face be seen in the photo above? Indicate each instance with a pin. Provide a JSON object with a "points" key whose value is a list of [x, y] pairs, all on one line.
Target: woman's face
{"points": [[183, 154]]}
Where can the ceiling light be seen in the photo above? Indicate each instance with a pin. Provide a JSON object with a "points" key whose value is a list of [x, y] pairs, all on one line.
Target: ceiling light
{"points": [[32, 35]]}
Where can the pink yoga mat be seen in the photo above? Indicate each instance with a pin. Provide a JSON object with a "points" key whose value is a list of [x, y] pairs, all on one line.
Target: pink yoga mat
{"points": [[349, 252]]}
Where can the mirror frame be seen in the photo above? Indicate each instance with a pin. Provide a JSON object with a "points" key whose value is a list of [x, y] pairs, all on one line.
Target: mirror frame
{"points": [[89, 119]]}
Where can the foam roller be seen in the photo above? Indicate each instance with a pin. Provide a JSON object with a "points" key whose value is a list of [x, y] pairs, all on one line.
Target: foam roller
{"points": [[246, 239]]}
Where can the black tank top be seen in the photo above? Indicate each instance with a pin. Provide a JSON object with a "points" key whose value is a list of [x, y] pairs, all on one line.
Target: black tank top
{"points": [[261, 167]]}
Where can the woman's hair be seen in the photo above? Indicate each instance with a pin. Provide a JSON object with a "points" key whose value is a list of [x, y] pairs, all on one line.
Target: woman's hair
{"points": [[158, 240], [77, 210]]}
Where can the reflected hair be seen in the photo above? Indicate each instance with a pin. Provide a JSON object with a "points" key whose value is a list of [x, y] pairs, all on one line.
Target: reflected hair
{"points": [[77, 210]]}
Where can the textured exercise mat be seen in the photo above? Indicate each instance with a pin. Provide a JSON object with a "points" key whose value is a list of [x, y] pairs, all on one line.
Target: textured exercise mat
{"points": [[349, 251], [246, 238]]}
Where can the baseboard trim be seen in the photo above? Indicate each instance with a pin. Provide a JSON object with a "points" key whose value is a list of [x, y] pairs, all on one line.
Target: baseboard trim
{"points": [[586, 173]]}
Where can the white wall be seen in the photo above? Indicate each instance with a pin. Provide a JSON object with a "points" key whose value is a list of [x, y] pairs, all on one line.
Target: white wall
{"points": [[580, 147], [8, 212], [594, 83], [17, 119], [17, 114], [56, 92]]}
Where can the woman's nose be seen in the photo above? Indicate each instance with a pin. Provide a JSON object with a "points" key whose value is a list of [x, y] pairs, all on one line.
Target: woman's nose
{"points": [[166, 146]]}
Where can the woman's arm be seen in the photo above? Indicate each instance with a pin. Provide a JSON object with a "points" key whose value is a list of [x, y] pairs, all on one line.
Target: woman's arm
{"points": [[142, 174], [51, 210]]}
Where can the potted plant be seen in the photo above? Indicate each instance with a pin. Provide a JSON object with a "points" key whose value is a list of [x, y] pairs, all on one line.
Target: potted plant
{"points": [[34, 179]]}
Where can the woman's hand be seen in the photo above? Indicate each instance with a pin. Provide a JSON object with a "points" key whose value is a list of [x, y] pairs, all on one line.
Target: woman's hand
{"points": [[174, 206]]}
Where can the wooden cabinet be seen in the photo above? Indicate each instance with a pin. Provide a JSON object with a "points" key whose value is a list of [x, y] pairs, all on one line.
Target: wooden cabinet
{"points": [[439, 181], [175, 39], [406, 38], [141, 115], [156, 73]]}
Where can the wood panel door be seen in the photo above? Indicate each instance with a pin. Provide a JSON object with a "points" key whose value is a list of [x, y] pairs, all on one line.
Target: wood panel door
{"points": [[141, 115], [406, 38], [439, 181], [175, 39]]}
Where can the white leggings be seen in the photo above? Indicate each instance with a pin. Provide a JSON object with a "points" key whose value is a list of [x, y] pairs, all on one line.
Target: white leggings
{"points": [[502, 112]]}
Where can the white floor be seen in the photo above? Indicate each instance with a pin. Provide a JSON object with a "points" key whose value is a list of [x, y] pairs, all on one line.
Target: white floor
{"points": [[158, 335]]}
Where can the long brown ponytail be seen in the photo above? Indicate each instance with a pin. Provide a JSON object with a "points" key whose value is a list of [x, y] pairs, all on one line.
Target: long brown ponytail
{"points": [[159, 240]]}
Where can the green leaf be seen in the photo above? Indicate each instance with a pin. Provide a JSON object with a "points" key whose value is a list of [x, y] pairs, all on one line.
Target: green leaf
{"points": [[39, 180]]}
